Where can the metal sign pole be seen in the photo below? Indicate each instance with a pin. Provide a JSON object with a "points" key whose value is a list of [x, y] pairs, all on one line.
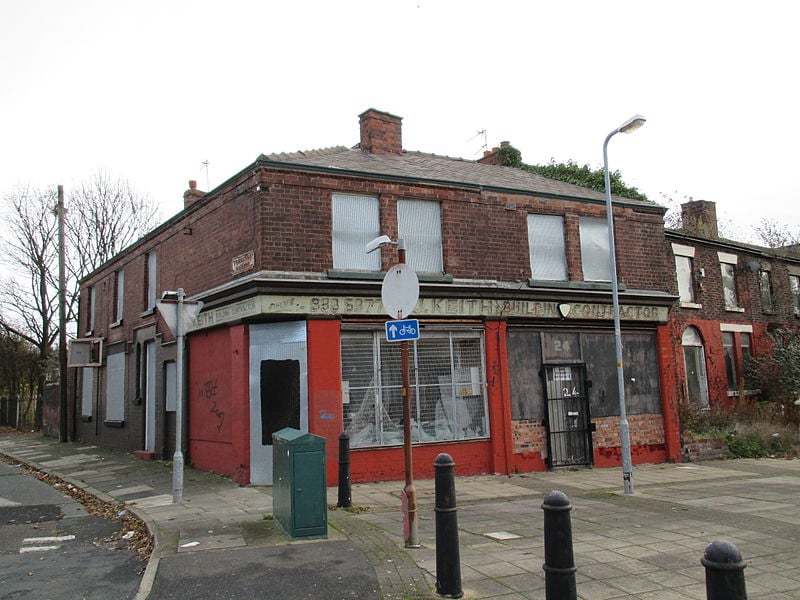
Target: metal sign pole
{"points": [[409, 491]]}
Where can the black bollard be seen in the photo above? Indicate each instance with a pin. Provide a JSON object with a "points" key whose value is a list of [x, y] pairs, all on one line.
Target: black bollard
{"points": [[448, 561], [345, 492], [724, 572], [559, 562]]}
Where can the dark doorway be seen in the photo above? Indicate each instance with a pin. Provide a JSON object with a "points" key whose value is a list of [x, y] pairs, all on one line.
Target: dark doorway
{"points": [[280, 397]]}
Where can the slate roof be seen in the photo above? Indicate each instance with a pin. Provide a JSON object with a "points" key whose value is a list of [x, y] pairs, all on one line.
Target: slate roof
{"points": [[431, 167]]}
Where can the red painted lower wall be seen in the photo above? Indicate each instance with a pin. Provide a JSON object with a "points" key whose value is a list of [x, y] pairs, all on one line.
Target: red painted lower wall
{"points": [[387, 464], [325, 389], [217, 394]]}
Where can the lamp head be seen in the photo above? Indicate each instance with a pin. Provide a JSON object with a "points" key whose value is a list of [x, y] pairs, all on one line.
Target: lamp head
{"points": [[632, 124], [377, 243]]}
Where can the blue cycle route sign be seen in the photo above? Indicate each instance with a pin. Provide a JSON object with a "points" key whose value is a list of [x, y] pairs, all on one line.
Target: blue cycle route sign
{"points": [[402, 330]]}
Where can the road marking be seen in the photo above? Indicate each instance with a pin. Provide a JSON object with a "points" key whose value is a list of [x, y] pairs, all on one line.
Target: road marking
{"points": [[38, 549], [49, 540]]}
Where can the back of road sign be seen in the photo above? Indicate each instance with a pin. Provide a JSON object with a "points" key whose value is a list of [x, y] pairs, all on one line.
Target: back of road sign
{"points": [[400, 291]]}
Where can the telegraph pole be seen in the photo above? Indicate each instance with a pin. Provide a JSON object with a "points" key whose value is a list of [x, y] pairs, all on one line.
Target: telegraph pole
{"points": [[62, 322]]}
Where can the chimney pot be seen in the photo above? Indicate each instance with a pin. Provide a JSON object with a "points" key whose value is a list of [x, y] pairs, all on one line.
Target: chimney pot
{"points": [[192, 195], [505, 144]]}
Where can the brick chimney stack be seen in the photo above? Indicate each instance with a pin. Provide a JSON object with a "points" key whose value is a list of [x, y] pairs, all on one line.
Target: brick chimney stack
{"points": [[700, 218], [192, 195], [492, 157], [381, 133]]}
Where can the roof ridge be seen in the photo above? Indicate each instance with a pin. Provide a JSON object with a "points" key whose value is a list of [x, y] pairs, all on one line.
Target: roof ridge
{"points": [[303, 153]]}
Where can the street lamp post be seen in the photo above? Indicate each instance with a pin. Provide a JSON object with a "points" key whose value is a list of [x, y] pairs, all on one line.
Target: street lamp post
{"points": [[624, 433]]}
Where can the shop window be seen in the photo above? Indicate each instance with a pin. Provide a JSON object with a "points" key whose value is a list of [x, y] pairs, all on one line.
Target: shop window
{"points": [[447, 381], [727, 263], [547, 250], [765, 288], [356, 222], [794, 287], [595, 253], [419, 224], [115, 388], [695, 363]]}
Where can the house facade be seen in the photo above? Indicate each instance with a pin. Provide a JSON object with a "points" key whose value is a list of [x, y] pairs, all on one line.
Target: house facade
{"points": [[514, 369], [731, 295]]}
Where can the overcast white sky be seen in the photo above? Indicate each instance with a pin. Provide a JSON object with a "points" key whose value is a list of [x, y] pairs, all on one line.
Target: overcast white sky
{"points": [[151, 89]]}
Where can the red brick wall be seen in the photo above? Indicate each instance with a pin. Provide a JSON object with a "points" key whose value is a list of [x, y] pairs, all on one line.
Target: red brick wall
{"points": [[647, 440]]}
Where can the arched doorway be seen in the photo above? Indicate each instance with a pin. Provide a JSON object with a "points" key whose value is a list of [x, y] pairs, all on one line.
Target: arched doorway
{"points": [[694, 358]]}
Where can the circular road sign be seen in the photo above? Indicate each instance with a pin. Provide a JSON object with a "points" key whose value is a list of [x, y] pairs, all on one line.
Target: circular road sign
{"points": [[400, 291]]}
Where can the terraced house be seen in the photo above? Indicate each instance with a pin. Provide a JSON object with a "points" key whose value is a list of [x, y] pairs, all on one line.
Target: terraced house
{"points": [[514, 369], [731, 295]]}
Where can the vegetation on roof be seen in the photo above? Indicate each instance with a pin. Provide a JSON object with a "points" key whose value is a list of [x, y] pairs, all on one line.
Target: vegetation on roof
{"points": [[572, 172]]}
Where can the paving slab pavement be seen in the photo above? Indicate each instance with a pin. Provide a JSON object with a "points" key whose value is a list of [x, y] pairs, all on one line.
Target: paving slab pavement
{"points": [[645, 546]]}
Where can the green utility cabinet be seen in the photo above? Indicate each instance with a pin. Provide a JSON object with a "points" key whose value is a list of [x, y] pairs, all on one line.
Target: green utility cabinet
{"points": [[299, 499]]}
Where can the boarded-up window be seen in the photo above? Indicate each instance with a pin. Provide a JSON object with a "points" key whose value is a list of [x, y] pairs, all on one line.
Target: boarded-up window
{"points": [[546, 244], [356, 222], [87, 391], [595, 253], [419, 224], [524, 366], [115, 388]]}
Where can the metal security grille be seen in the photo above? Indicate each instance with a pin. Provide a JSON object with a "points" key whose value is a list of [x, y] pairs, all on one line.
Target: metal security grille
{"points": [[448, 386], [569, 437]]}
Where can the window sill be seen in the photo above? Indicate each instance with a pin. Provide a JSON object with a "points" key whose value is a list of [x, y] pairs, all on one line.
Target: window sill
{"points": [[734, 309], [344, 274], [116, 424], [148, 312], [89, 333], [736, 394], [691, 305], [86, 418], [379, 275], [574, 285], [116, 324]]}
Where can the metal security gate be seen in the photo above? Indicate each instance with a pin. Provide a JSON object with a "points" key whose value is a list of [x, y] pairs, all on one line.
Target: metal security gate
{"points": [[569, 439]]}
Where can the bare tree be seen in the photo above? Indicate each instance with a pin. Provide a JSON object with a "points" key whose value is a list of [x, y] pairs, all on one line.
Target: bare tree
{"points": [[104, 215], [774, 234], [29, 301]]}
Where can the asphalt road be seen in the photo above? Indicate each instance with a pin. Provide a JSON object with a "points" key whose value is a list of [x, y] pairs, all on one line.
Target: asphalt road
{"points": [[52, 549]]}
